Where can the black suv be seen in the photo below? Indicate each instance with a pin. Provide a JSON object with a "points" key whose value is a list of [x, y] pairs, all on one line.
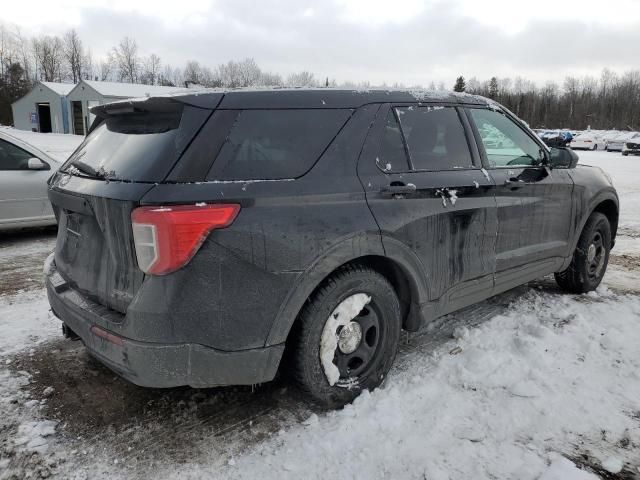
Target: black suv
{"points": [[203, 236]]}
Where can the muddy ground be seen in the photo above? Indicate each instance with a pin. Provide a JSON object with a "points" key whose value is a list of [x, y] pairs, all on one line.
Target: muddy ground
{"points": [[143, 427]]}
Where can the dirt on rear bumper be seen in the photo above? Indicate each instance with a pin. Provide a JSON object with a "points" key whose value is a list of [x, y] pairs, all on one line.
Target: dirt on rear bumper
{"points": [[156, 364]]}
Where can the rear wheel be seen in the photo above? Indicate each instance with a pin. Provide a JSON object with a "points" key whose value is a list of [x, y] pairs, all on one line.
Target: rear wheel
{"points": [[590, 257], [348, 336]]}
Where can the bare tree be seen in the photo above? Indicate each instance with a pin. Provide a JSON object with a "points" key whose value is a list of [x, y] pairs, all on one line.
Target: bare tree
{"points": [[106, 68], [248, 72], [73, 54], [150, 69], [270, 80], [88, 71], [170, 77], [48, 52], [23, 50], [302, 79], [192, 72], [126, 60]]}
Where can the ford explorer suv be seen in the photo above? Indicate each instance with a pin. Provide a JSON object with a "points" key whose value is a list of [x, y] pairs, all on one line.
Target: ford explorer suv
{"points": [[217, 238]]}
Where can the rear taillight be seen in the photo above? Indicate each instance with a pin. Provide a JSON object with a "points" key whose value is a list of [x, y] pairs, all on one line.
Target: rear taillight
{"points": [[166, 238]]}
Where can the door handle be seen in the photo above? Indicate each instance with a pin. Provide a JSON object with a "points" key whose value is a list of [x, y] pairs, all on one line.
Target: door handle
{"points": [[398, 190], [514, 182]]}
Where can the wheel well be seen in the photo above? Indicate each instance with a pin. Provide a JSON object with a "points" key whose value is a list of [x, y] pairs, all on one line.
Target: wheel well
{"points": [[396, 276], [610, 210], [388, 268]]}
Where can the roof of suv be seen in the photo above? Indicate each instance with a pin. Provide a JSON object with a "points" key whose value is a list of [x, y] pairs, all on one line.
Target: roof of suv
{"points": [[310, 98]]}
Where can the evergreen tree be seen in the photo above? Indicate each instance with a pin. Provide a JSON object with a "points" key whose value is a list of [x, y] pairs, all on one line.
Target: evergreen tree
{"points": [[460, 85], [493, 88]]}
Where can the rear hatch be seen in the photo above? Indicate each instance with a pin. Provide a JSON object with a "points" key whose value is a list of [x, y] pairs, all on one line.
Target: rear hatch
{"points": [[132, 147]]}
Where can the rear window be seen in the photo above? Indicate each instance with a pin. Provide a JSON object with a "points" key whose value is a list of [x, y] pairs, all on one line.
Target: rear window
{"points": [[136, 146], [275, 144]]}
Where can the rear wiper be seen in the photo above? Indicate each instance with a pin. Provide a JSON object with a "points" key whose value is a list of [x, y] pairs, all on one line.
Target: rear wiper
{"points": [[85, 170]]}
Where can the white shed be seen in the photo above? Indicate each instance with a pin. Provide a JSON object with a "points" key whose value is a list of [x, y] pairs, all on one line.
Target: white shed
{"points": [[43, 109], [87, 94]]}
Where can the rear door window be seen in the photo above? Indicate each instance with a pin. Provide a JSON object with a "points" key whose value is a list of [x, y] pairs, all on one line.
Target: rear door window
{"points": [[435, 138], [276, 144], [393, 155]]}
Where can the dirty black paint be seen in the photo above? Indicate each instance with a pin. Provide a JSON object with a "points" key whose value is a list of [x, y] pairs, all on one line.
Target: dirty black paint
{"points": [[458, 236]]}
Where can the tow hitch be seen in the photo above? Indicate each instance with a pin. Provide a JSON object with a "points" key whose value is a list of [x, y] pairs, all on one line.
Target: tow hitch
{"points": [[68, 333]]}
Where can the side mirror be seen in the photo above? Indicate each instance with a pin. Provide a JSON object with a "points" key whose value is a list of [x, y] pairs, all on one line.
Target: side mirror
{"points": [[37, 164], [562, 157]]}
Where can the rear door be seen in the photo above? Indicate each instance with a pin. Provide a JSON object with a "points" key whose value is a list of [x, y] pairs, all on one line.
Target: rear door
{"points": [[23, 192], [425, 187], [534, 202]]}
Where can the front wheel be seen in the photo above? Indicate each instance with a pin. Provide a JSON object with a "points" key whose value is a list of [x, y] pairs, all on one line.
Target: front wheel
{"points": [[595, 147], [348, 336], [590, 258]]}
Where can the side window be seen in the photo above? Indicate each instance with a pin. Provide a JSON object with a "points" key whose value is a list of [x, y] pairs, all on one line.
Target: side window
{"points": [[392, 156], [272, 144], [505, 143], [435, 138], [12, 157]]}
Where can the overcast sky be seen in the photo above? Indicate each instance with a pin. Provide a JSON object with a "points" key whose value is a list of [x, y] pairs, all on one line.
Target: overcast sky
{"points": [[406, 41]]}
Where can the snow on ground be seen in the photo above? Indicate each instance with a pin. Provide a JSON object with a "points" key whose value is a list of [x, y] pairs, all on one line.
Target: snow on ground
{"points": [[533, 384], [58, 146], [625, 172], [551, 373]]}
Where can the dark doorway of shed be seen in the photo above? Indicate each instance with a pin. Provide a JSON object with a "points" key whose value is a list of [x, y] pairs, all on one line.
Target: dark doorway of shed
{"points": [[44, 118], [78, 123]]}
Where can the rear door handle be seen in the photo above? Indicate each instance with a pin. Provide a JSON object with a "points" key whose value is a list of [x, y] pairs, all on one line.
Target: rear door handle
{"points": [[514, 182], [398, 190]]}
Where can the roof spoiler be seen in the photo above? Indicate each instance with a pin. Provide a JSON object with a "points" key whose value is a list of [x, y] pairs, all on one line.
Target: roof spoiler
{"points": [[162, 103]]}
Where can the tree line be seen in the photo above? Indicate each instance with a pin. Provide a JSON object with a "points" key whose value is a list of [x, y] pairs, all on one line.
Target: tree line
{"points": [[611, 101]]}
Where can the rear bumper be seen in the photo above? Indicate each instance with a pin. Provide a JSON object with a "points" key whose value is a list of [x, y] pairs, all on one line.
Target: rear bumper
{"points": [[157, 365]]}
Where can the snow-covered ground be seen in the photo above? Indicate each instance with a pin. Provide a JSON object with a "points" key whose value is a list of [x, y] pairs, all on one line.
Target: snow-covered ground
{"points": [[531, 384]]}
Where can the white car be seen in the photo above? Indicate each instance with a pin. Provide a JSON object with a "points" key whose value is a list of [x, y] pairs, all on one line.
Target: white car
{"points": [[584, 141], [617, 143], [24, 171]]}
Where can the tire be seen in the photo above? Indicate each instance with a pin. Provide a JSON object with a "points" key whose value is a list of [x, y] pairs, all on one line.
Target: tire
{"points": [[595, 147], [379, 323], [590, 258], [624, 154]]}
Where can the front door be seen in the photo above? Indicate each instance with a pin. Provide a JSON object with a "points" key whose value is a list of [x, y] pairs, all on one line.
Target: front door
{"points": [[534, 202], [427, 192], [23, 192]]}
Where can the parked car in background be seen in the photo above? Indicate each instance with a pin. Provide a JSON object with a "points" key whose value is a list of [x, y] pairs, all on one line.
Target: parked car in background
{"points": [[24, 170], [584, 141], [203, 236], [609, 135], [617, 144], [631, 147]]}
